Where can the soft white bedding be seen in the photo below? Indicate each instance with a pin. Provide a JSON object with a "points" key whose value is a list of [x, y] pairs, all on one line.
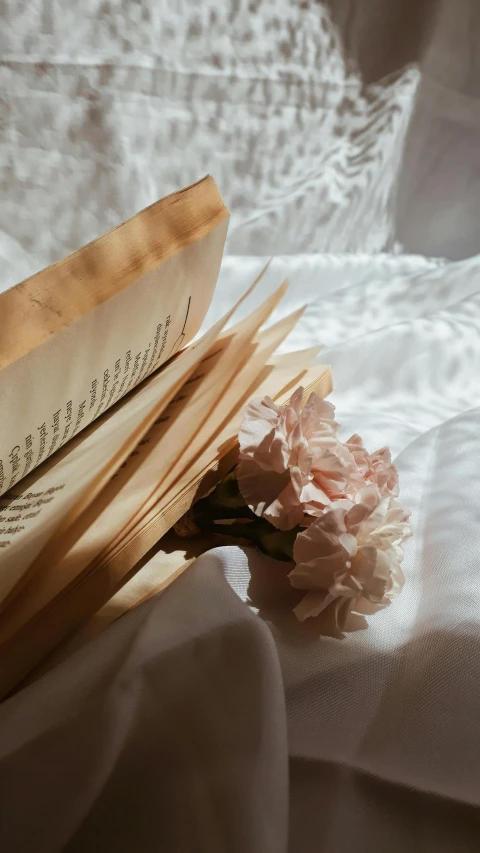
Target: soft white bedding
{"points": [[398, 700], [193, 724]]}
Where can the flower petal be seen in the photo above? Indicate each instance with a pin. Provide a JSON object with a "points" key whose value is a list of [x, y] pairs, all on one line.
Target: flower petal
{"points": [[296, 400], [261, 416], [320, 538], [318, 573], [312, 604], [384, 473], [269, 494], [285, 511]]}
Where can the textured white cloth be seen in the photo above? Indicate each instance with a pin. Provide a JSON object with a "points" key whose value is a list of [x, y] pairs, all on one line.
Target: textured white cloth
{"points": [[110, 107], [195, 723]]}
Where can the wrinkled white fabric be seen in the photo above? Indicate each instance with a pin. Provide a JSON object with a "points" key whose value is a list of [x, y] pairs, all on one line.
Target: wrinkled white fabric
{"points": [[171, 736], [381, 725], [195, 723]]}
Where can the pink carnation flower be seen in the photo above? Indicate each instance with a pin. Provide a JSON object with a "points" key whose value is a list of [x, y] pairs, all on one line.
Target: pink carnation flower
{"points": [[292, 463], [383, 472], [351, 554]]}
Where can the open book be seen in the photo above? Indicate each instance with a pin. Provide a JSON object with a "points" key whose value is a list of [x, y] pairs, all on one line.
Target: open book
{"points": [[113, 422]]}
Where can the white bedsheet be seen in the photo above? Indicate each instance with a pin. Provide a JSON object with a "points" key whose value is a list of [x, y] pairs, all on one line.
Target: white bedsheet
{"points": [[185, 710], [193, 723]]}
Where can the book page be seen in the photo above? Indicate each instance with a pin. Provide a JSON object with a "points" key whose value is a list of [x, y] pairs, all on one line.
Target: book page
{"points": [[32, 512], [49, 538], [65, 363], [210, 466], [111, 514], [31, 631], [280, 384], [172, 434], [226, 387], [301, 358], [172, 556], [216, 459]]}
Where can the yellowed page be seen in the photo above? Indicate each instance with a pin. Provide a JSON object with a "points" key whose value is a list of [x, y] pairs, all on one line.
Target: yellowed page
{"points": [[81, 334], [173, 556], [24, 643], [37, 544], [218, 459], [208, 405], [76, 520], [235, 379], [28, 637], [302, 358], [210, 466], [114, 508], [83, 596], [38, 506], [111, 514]]}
